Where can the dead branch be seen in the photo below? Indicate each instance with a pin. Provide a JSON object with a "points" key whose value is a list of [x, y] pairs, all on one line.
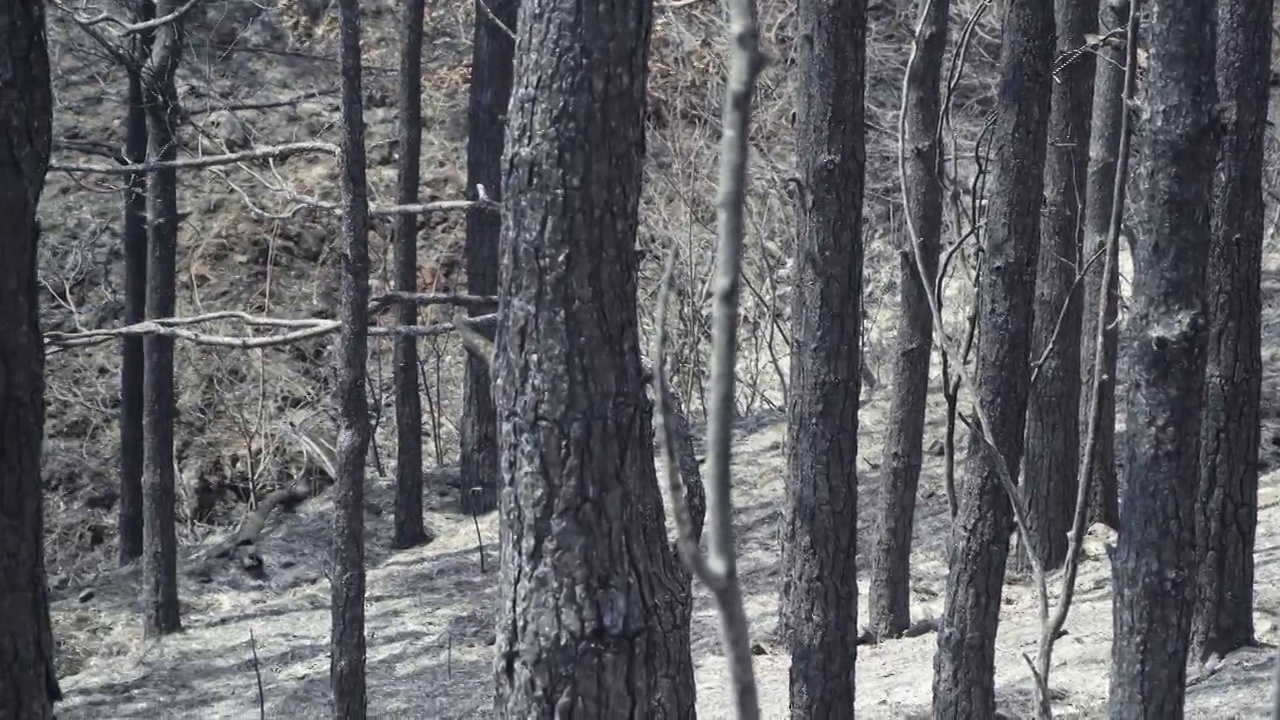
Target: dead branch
{"points": [[274, 152], [397, 297], [297, 330], [265, 104], [718, 569], [123, 28]]}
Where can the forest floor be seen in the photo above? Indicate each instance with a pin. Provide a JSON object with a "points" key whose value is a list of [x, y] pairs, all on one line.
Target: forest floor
{"points": [[431, 627], [430, 609]]}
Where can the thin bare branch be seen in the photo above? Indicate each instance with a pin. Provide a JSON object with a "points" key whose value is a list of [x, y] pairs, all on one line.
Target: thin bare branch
{"points": [[276, 152], [123, 28]]}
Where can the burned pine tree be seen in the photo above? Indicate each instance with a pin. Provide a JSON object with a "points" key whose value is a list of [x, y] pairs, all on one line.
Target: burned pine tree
{"points": [[820, 518], [160, 543], [1153, 571], [889, 593], [492, 59], [964, 668], [1104, 144], [28, 683], [1227, 501], [410, 528], [594, 614], [1052, 448], [346, 570]]}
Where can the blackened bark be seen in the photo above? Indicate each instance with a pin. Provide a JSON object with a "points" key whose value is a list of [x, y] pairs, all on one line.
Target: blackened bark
{"points": [[963, 683], [28, 683], [889, 594], [135, 302], [160, 556], [492, 58], [1104, 141], [594, 620], [135, 298], [820, 521], [1052, 449], [410, 529], [1153, 570], [1227, 504], [347, 642]]}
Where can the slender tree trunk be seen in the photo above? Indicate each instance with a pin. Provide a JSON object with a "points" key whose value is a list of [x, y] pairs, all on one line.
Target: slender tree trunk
{"points": [[347, 643], [963, 684], [492, 59], [1227, 506], [28, 682], [1104, 142], [160, 557], [594, 621], [820, 590], [135, 304], [889, 594], [1052, 456], [410, 529], [1154, 562]]}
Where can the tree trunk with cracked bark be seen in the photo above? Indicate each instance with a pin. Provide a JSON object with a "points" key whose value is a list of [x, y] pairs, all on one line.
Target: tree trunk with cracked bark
{"points": [[1104, 141], [492, 60], [889, 594], [161, 614], [1052, 455], [134, 233], [595, 611], [964, 668], [410, 529], [27, 675], [1227, 504], [347, 577], [1153, 570], [820, 521]]}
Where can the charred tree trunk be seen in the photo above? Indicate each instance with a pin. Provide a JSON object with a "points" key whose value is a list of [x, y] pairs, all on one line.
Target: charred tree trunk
{"points": [[27, 674], [1052, 454], [1153, 571], [347, 643], [1227, 506], [132, 356], [889, 594], [410, 529], [820, 522], [1104, 142], [160, 542], [594, 621], [963, 683], [492, 59]]}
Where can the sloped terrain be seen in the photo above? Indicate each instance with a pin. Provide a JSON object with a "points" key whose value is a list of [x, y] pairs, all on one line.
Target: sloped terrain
{"points": [[249, 243]]}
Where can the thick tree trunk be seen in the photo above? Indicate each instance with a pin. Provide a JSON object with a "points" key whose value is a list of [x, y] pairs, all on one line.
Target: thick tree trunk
{"points": [[1052, 452], [28, 683], [410, 529], [964, 668], [820, 523], [492, 60], [1104, 140], [160, 556], [132, 438], [594, 621], [1227, 506], [347, 643], [1154, 562], [889, 594]]}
